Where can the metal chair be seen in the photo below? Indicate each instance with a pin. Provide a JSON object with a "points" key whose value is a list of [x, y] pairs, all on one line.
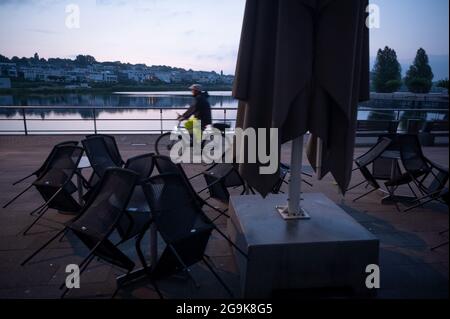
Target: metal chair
{"points": [[113, 149], [137, 211], [183, 226], [165, 166], [364, 161], [100, 218], [429, 177], [219, 178], [55, 185], [38, 173]]}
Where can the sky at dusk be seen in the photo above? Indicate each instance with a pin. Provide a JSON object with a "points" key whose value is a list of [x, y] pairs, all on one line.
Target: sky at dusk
{"points": [[197, 34]]}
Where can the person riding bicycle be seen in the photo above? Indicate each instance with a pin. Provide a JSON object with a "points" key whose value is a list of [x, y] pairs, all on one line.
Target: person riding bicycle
{"points": [[200, 108]]}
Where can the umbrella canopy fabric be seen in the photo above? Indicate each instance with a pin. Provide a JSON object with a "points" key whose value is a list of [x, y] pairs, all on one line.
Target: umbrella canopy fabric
{"points": [[303, 66]]}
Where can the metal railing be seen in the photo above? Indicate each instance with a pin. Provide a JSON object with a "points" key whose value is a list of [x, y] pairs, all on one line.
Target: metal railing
{"points": [[29, 115]]}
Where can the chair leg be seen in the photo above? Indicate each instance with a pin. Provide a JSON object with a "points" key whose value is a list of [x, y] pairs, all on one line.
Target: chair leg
{"points": [[229, 241], [17, 196], [355, 186], [23, 179], [222, 213], [364, 195], [218, 277], [64, 235], [119, 286], [185, 267], [35, 221], [144, 264], [439, 246], [43, 247], [420, 204]]}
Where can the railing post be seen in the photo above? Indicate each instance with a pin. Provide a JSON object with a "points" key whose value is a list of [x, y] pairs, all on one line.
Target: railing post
{"points": [[225, 115], [94, 112], [25, 122], [161, 120]]}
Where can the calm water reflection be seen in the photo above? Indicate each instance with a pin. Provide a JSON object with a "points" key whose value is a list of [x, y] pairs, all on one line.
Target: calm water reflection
{"points": [[73, 113]]}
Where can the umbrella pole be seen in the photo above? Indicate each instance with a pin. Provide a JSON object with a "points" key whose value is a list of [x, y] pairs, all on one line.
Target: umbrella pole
{"points": [[294, 209]]}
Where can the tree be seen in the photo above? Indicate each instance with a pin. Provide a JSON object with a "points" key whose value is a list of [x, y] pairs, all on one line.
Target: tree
{"points": [[443, 84], [85, 60], [387, 76], [419, 78]]}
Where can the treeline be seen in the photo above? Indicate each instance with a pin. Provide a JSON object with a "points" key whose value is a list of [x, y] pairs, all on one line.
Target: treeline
{"points": [[387, 73]]}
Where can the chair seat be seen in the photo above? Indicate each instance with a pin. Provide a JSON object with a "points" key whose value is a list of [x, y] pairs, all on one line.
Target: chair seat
{"points": [[55, 179], [197, 227]]}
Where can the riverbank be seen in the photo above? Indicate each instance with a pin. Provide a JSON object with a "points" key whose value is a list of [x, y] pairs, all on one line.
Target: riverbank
{"points": [[98, 89]]}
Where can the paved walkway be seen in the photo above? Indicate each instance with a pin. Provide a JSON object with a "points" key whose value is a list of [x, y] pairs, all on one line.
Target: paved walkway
{"points": [[408, 268]]}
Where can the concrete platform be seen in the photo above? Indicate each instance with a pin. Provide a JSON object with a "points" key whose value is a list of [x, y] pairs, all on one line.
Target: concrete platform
{"points": [[331, 250]]}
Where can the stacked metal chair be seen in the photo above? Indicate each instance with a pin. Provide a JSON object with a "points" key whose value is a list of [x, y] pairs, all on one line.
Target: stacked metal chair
{"points": [[55, 183], [363, 163], [182, 224], [38, 173]]}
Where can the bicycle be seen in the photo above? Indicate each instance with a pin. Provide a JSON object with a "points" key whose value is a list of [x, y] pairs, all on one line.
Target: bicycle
{"points": [[164, 143]]}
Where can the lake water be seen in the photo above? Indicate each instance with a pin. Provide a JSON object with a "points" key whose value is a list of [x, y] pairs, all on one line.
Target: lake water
{"points": [[127, 112]]}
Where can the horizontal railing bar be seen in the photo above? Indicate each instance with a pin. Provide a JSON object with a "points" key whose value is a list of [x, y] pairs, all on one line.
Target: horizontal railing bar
{"points": [[361, 108], [33, 107]]}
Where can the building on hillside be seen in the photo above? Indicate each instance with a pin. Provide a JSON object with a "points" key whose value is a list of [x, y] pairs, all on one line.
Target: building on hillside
{"points": [[5, 83]]}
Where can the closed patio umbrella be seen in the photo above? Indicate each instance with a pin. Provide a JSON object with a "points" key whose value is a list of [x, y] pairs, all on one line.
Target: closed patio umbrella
{"points": [[303, 66]]}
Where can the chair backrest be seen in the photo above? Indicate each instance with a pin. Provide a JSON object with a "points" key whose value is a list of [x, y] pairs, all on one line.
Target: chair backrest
{"points": [[40, 170], [174, 209], [143, 165], [99, 155], [59, 173], [66, 158], [221, 176], [374, 153], [113, 149], [412, 156], [165, 166], [102, 214], [397, 140], [382, 168]]}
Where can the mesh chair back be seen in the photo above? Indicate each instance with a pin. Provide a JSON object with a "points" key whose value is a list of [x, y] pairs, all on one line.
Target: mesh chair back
{"points": [[57, 178], [219, 178], [369, 158], [174, 210], [382, 168], [43, 167], [179, 220], [142, 165], [411, 153], [99, 155], [165, 165], [113, 149], [102, 214], [374, 153]]}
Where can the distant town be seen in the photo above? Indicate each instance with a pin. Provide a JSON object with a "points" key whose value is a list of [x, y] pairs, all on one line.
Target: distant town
{"points": [[85, 72]]}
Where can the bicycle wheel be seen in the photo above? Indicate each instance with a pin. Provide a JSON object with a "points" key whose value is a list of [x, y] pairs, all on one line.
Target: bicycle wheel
{"points": [[164, 145]]}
